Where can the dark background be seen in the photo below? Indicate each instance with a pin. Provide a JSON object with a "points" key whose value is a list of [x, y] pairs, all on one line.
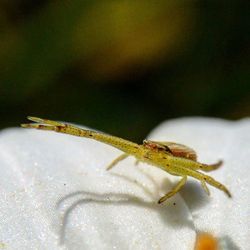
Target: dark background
{"points": [[123, 66]]}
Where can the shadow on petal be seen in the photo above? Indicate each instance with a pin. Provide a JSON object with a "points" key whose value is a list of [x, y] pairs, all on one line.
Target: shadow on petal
{"points": [[171, 215], [194, 195], [227, 243], [144, 188]]}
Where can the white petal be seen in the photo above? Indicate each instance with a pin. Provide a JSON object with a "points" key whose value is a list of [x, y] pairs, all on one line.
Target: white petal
{"points": [[213, 139], [56, 194]]}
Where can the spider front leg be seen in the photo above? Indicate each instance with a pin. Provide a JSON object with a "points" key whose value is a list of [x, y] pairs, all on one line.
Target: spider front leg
{"points": [[175, 190], [43, 124], [115, 161]]}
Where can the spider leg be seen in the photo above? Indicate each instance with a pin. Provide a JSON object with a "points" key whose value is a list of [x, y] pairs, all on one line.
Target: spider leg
{"points": [[116, 160], [45, 121], [204, 185], [39, 126], [211, 167], [43, 124], [175, 189], [213, 182], [204, 179], [126, 146]]}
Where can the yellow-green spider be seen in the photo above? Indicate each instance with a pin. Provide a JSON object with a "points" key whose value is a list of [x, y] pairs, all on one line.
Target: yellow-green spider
{"points": [[174, 158]]}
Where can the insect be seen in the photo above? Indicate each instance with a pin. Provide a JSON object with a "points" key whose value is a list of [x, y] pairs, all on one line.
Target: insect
{"points": [[174, 158]]}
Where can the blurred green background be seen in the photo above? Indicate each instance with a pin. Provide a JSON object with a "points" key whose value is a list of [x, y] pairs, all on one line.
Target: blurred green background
{"points": [[123, 66]]}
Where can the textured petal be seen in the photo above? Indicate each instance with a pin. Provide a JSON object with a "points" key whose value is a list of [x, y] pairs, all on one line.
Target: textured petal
{"points": [[56, 194], [213, 139]]}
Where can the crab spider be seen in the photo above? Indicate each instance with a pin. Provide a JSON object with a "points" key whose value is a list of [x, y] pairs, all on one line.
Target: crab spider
{"points": [[174, 158]]}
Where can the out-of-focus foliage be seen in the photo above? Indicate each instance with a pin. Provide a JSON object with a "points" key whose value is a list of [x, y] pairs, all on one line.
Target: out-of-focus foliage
{"points": [[123, 66]]}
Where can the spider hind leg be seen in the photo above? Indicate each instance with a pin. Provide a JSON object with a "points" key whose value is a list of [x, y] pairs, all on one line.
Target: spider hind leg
{"points": [[175, 190]]}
